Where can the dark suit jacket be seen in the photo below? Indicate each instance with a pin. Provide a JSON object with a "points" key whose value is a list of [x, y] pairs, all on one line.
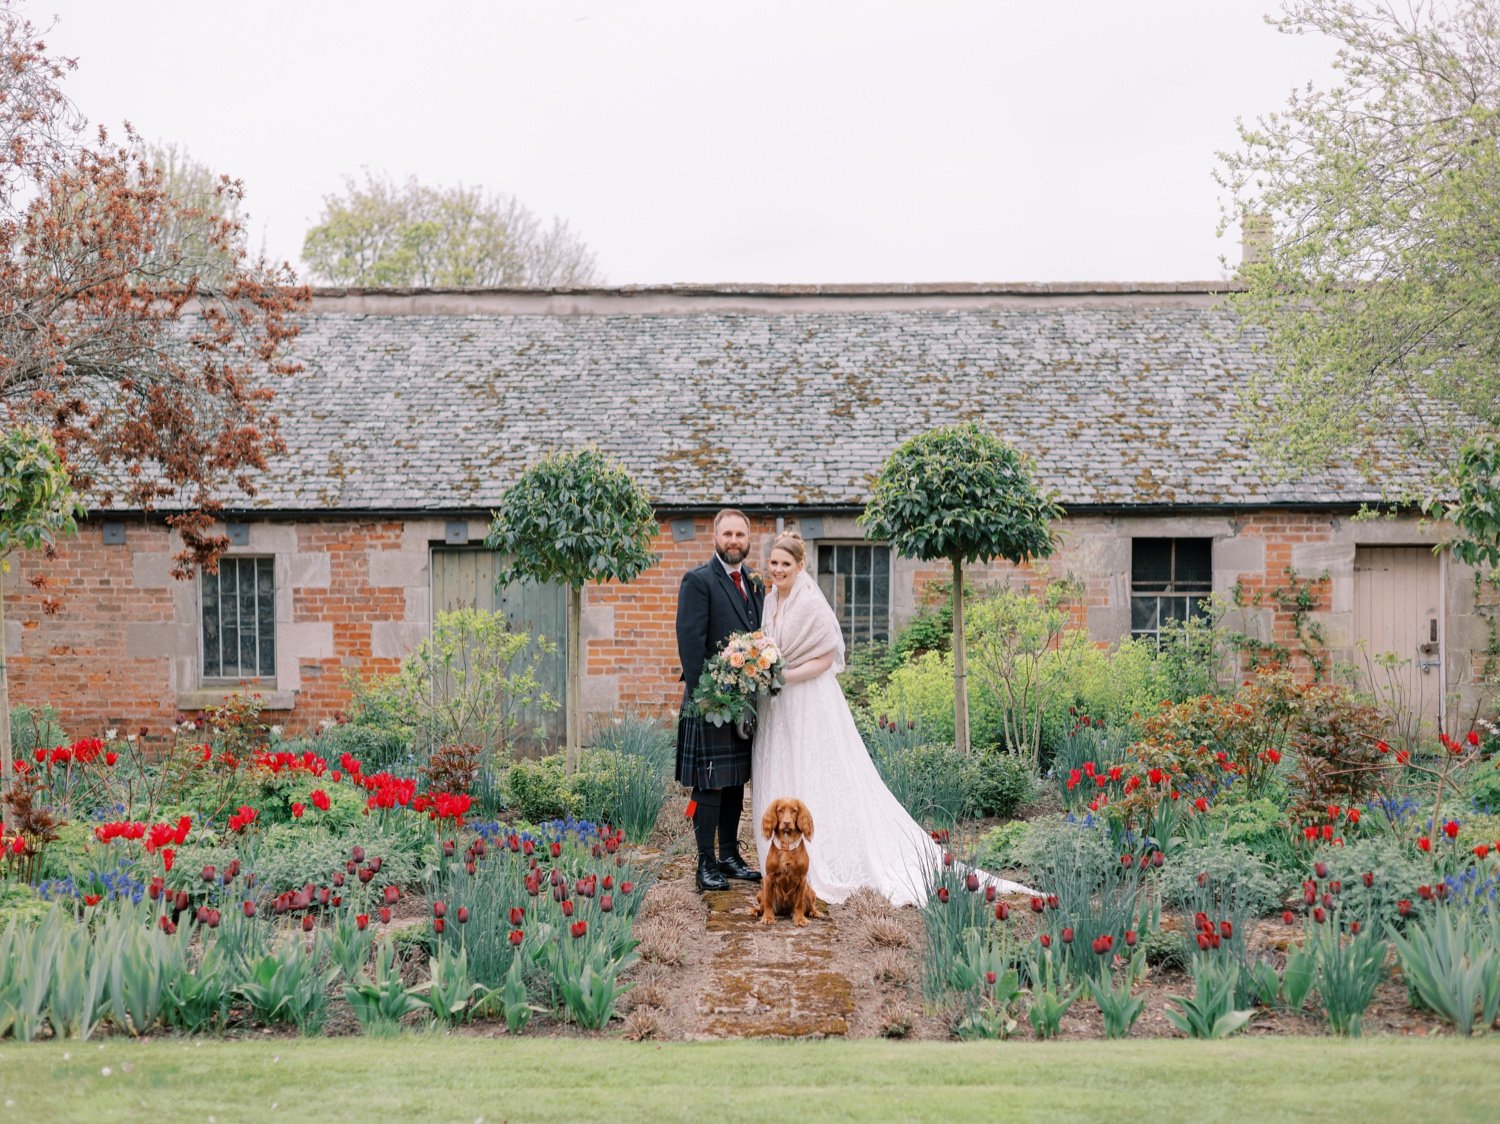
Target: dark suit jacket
{"points": [[709, 609]]}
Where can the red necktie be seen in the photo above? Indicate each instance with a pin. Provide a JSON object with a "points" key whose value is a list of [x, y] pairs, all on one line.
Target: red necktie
{"points": [[739, 583]]}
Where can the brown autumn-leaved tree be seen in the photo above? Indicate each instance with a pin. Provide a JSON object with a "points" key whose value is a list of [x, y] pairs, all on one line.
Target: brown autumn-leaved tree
{"points": [[133, 324]]}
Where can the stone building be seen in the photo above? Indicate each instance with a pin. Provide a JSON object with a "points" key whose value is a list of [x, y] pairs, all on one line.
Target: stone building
{"points": [[416, 409]]}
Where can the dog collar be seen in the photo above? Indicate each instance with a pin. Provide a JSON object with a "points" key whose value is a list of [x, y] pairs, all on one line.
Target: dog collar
{"points": [[777, 844]]}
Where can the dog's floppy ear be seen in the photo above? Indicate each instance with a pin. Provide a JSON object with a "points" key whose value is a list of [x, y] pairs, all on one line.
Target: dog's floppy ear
{"points": [[804, 820], [768, 821]]}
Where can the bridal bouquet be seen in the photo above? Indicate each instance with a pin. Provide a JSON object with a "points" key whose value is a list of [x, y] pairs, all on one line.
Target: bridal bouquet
{"points": [[748, 665]]}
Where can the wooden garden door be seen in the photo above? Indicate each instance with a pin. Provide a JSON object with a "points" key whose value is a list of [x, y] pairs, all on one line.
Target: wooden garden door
{"points": [[1398, 624], [464, 577]]}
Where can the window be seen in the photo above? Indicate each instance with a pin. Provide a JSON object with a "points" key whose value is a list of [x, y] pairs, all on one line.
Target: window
{"points": [[856, 579], [239, 620], [1169, 581]]}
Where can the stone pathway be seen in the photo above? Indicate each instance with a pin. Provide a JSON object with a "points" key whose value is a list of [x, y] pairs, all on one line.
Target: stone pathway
{"points": [[729, 976]]}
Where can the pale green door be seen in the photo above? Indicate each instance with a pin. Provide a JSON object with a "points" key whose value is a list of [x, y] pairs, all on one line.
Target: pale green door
{"points": [[464, 577]]}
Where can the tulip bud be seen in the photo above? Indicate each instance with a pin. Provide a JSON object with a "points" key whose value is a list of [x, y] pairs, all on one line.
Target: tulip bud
{"points": [[376, 863], [567, 908], [1319, 915], [357, 854], [1002, 911], [1226, 929], [181, 901], [626, 887], [579, 928], [308, 921], [515, 937], [1368, 878], [438, 909], [392, 895], [516, 913], [989, 978], [1354, 927], [609, 881], [607, 903], [1037, 905], [449, 848], [1067, 935], [1321, 868], [971, 882], [249, 908], [385, 915], [1157, 858], [438, 925], [1046, 940], [1403, 907], [361, 921], [338, 878], [1130, 938], [556, 850], [942, 894], [1288, 917], [989, 893], [208, 873], [470, 869]]}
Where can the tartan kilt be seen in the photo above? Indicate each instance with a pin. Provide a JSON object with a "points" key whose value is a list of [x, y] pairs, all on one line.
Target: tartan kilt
{"points": [[710, 756]]}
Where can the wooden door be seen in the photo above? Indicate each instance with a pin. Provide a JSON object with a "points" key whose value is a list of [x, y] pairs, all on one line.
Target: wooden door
{"points": [[1398, 628], [464, 577]]}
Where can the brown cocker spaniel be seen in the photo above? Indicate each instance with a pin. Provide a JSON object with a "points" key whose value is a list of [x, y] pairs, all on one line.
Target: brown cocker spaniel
{"points": [[784, 889]]}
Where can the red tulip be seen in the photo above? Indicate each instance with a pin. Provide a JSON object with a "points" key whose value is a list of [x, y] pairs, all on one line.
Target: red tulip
{"points": [[357, 854], [1368, 878], [1158, 858], [942, 894], [626, 887], [1130, 938], [385, 915], [365, 874], [1002, 911], [1403, 907], [1319, 915], [1450, 829], [438, 924], [1226, 930], [1204, 942], [167, 925], [1067, 935], [1037, 905], [1425, 892], [297, 810], [1354, 927], [1288, 917], [361, 921], [989, 978], [181, 901], [515, 937], [392, 895], [308, 921], [1321, 869], [91, 899], [438, 909], [1424, 844], [578, 929], [208, 873], [556, 849], [607, 903], [609, 881], [971, 881], [1052, 901], [947, 858], [1046, 940], [516, 913]]}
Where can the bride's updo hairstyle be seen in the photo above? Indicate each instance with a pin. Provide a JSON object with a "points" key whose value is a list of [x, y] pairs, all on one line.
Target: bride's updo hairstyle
{"points": [[791, 542]]}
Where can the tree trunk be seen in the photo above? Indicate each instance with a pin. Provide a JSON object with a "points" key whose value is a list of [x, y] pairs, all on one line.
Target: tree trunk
{"points": [[574, 685], [960, 664], [5, 749]]}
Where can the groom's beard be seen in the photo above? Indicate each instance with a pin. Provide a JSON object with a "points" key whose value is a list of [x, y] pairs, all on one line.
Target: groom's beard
{"points": [[730, 556]]}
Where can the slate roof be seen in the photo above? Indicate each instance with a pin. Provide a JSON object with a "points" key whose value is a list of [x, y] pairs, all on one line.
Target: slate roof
{"points": [[1122, 401]]}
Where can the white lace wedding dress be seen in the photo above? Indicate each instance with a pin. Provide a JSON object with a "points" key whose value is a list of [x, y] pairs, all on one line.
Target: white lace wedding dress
{"points": [[807, 747]]}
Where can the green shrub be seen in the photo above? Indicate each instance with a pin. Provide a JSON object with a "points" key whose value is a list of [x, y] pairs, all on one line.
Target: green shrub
{"points": [[538, 790], [922, 690], [624, 790], [20, 903], [1483, 786], [866, 670], [378, 747], [1058, 845], [933, 781], [292, 855], [1235, 869], [32, 726], [1166, 948], [1260, 826], [1002, 783], [1003, 846]]}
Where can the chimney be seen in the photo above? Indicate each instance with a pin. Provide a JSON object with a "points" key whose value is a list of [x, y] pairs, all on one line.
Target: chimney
{"points": [[1255, 238]]}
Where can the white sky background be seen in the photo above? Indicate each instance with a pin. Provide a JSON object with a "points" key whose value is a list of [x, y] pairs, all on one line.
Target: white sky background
{"points": [[804, 141]]}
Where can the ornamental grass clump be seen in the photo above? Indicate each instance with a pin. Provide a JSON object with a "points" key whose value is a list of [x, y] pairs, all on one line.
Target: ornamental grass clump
{"points": [[957, 921], [1347, 969], [289, 987], [1451, 964]]}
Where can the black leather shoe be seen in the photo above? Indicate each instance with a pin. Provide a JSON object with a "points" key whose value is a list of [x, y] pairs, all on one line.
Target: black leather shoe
{"points": [[734, 867], [709, 877]]}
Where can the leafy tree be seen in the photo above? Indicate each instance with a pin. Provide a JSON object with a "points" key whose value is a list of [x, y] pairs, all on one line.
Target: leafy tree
{"points": [[1476, 511], [1379, 292], [208, 201], [149, 368], [960, 493], [574, 518], [37, 503], [404, 235]]}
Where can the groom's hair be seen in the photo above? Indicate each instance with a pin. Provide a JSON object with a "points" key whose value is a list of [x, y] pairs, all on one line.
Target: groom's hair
{"points": [[727, 513]]}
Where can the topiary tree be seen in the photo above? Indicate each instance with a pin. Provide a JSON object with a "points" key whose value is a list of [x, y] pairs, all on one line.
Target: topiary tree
{"points": [[960, 493], [574, 518], [37, 503]]}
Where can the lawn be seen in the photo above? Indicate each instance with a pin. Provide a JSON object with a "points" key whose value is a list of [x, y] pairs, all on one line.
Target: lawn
{"points": [[420, 1077]]}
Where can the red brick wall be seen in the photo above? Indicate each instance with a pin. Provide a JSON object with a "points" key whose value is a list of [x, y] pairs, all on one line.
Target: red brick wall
{"points": [[75, 658]]}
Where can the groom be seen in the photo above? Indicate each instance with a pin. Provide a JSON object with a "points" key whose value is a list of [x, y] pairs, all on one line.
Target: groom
{"points": [[716, 599]]}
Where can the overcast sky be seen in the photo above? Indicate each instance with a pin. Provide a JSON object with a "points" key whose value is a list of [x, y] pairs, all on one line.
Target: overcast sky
{"points": [[812, 141]]}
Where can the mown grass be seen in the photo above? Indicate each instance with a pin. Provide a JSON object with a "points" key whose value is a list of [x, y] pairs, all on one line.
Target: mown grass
{"points": [[428, 1077]]}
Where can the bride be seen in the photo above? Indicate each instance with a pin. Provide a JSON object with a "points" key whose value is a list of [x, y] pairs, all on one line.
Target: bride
{"points": [[807, 746]]}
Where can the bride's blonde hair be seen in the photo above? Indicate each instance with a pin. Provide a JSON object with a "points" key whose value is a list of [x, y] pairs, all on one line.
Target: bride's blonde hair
{"points": [[791, 542]]}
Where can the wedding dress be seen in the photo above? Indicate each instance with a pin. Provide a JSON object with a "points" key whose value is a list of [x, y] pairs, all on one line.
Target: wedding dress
{"points": [[807, 747]]}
